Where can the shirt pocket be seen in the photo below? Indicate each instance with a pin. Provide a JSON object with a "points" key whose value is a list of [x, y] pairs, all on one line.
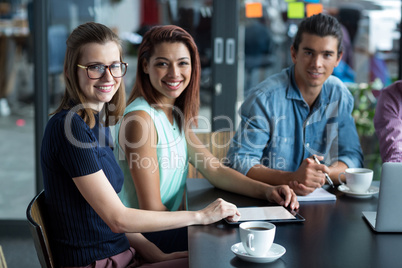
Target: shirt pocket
{"points": [[325, 139]]}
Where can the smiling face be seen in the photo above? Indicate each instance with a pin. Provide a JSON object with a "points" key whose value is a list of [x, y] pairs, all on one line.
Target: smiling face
{"points": [[98, 91], [315, 61], [169, 70]]}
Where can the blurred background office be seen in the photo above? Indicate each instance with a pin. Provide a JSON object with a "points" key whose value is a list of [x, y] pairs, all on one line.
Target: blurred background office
{"points": [[240, 42]]}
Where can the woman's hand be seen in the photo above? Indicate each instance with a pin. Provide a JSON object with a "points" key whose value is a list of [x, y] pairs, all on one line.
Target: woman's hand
{"points": [[219, 209], [283, 195], [148, 252]]}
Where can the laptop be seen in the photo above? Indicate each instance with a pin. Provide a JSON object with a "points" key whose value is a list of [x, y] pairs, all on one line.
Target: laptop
{"points": [[388, 217]]}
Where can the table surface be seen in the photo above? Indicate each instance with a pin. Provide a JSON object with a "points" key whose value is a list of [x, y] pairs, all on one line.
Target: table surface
{"points": [[334, 234]]}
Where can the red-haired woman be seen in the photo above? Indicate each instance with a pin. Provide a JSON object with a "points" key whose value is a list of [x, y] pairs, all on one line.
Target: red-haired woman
{"points": [[155, 140]]}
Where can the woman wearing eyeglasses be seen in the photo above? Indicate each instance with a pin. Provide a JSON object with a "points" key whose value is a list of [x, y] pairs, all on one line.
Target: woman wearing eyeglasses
{"points": [[155, 139], [89, 225]]}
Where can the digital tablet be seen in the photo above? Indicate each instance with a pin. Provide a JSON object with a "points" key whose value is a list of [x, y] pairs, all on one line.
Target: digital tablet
{"points": [[274, 214]]}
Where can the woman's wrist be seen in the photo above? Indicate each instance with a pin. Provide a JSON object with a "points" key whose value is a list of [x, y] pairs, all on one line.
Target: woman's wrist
{"points": [[198, 218]]}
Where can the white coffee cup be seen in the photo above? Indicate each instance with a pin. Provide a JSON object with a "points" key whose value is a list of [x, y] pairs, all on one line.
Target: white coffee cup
{"points": [[257, 237], [358, 180]]}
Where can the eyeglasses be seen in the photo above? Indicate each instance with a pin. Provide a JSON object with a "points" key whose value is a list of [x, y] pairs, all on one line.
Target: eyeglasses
{"points": [[97, 71]]}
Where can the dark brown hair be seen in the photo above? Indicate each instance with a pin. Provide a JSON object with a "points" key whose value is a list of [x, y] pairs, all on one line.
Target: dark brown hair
{"points": [[86, 33], [322, 25], [189, 101]]}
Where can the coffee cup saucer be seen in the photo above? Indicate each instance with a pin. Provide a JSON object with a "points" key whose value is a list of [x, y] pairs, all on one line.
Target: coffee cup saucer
{"points": [[369, 193], [275, 252]]}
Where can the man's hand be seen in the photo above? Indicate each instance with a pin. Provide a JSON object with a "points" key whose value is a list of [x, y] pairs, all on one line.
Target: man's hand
{"points": [[308, 176]]}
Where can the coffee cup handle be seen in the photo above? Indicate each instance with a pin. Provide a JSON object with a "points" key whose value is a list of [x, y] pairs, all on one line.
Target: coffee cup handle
{"points": [[339, 178], [250, 237]]}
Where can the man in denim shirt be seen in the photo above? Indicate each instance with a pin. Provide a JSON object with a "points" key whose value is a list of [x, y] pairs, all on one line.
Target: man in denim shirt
{"points": [[297, 113]]}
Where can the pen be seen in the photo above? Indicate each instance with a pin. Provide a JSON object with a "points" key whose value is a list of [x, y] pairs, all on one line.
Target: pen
{"points": [[326, 175]]}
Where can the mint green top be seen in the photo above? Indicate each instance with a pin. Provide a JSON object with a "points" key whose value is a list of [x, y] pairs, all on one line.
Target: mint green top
{"points": [[172, 159]]}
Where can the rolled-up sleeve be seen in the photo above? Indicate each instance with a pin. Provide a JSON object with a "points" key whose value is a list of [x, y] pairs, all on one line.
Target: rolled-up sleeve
{"points": [[252, 136]]}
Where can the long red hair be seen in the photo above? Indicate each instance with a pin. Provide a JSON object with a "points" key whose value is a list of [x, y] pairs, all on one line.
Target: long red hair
{"points": [[188, 102]]}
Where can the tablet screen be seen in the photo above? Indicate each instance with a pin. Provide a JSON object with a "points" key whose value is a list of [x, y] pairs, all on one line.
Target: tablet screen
{"points": [[269, 213]]}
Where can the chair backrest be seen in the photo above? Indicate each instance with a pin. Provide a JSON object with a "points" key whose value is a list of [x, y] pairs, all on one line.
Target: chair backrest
{"points": [[36, 215], [3, 263], [217, 143]]}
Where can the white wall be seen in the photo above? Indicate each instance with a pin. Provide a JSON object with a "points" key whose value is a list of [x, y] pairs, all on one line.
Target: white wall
{"points": [[125, 16]]}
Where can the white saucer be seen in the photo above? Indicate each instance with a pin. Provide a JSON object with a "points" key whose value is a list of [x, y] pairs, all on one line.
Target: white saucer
{"points": [[274, 253], [372, 190]]}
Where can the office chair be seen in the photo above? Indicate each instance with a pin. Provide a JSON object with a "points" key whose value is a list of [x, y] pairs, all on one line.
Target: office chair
{"points": [[36, 216]]}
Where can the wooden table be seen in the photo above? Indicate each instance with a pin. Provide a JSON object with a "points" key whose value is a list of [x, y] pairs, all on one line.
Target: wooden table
{"points": [[334, 234]]}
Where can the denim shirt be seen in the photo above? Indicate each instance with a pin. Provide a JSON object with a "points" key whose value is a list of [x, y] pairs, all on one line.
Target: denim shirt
{"points": [[278, 129]]}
